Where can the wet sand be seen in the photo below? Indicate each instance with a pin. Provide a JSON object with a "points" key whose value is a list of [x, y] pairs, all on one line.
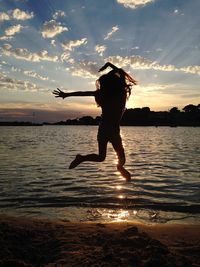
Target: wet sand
{"points": [[34, 242]]}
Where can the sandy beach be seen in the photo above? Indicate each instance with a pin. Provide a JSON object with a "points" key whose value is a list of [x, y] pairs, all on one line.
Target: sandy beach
{"points": [[34, 242]]}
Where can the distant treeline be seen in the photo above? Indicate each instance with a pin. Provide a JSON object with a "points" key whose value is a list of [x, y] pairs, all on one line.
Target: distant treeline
{"points": [[188, 116], [19, 123]]}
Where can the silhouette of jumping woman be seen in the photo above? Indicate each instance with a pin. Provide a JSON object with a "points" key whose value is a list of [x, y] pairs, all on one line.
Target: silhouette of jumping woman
{"points": [[111, 94]]}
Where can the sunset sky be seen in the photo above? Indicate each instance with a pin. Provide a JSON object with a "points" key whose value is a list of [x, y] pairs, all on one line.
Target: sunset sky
{"points": [[55, 43]]}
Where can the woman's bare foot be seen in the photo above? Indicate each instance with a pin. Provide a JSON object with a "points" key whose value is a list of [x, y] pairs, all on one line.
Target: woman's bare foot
{"points": [[75, 162], [124, 172]]}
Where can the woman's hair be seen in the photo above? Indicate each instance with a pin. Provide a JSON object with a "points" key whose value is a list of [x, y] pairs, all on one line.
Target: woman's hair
{"points": [[115, 84]]}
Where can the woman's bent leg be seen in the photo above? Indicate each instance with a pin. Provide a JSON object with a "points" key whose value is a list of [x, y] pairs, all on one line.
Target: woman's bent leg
{"points": [[118, 147], [91, 157]]}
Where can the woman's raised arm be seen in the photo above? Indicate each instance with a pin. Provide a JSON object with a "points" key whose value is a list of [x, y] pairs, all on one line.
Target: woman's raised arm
{"points": [[59, 93], [108, 64]]}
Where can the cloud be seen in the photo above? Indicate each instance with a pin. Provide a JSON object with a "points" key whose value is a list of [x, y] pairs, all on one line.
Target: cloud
{"points": [[81, 73], [166, 95], [52, 28], [136, 62], [14, 84], [140, 63], [35, 75], [21, 15], [178, 12], [195, 96], [100, 49], [43, 112], [70, 45], [5, 38], [109, 34], [6, 47], [134, 3], [15, 69], [4, 16], [135, 48], [16, 14], [53, 43], [167, 89], [159, 49], [66, 57], [85, 69], [13, 30], [59, 13], [191, 69], [23, 53]]}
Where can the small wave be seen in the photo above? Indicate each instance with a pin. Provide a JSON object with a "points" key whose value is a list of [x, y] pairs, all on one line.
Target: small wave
{"points": [[98, 202]]}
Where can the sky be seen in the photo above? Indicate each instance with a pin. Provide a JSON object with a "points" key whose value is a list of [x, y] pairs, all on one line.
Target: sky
{"points": [[52, 44]]}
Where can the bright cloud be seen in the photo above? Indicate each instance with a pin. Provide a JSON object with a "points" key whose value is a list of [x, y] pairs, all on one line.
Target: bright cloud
{"points": [[53, 43], [109, 34], [5, 38], [59, 13], [85, 69], [16, 14], [13, 30], [137, 62], [4, 16], [14, 84], [178, 12], [81, 73], [66, 57], [52, 28], [100, 49], [134, 3], [23, 53], [70, 45], [21, 15], [135, 48], [35, 75], [191, 69]]}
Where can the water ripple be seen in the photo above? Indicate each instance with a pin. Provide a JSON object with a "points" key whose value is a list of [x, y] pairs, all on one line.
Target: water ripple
{"points": [[164, 162]]}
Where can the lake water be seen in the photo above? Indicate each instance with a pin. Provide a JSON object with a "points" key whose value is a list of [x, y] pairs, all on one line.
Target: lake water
{"points": [[164, 163]]}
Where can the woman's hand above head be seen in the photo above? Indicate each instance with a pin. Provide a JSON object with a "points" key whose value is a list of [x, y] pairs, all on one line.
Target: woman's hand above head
{"points": [[59, 93], [108, 64]]}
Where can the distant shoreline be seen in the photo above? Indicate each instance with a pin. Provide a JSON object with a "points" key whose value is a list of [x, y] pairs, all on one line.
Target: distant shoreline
{"points": [[19, 123], [189, 117], [28, 124]]}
